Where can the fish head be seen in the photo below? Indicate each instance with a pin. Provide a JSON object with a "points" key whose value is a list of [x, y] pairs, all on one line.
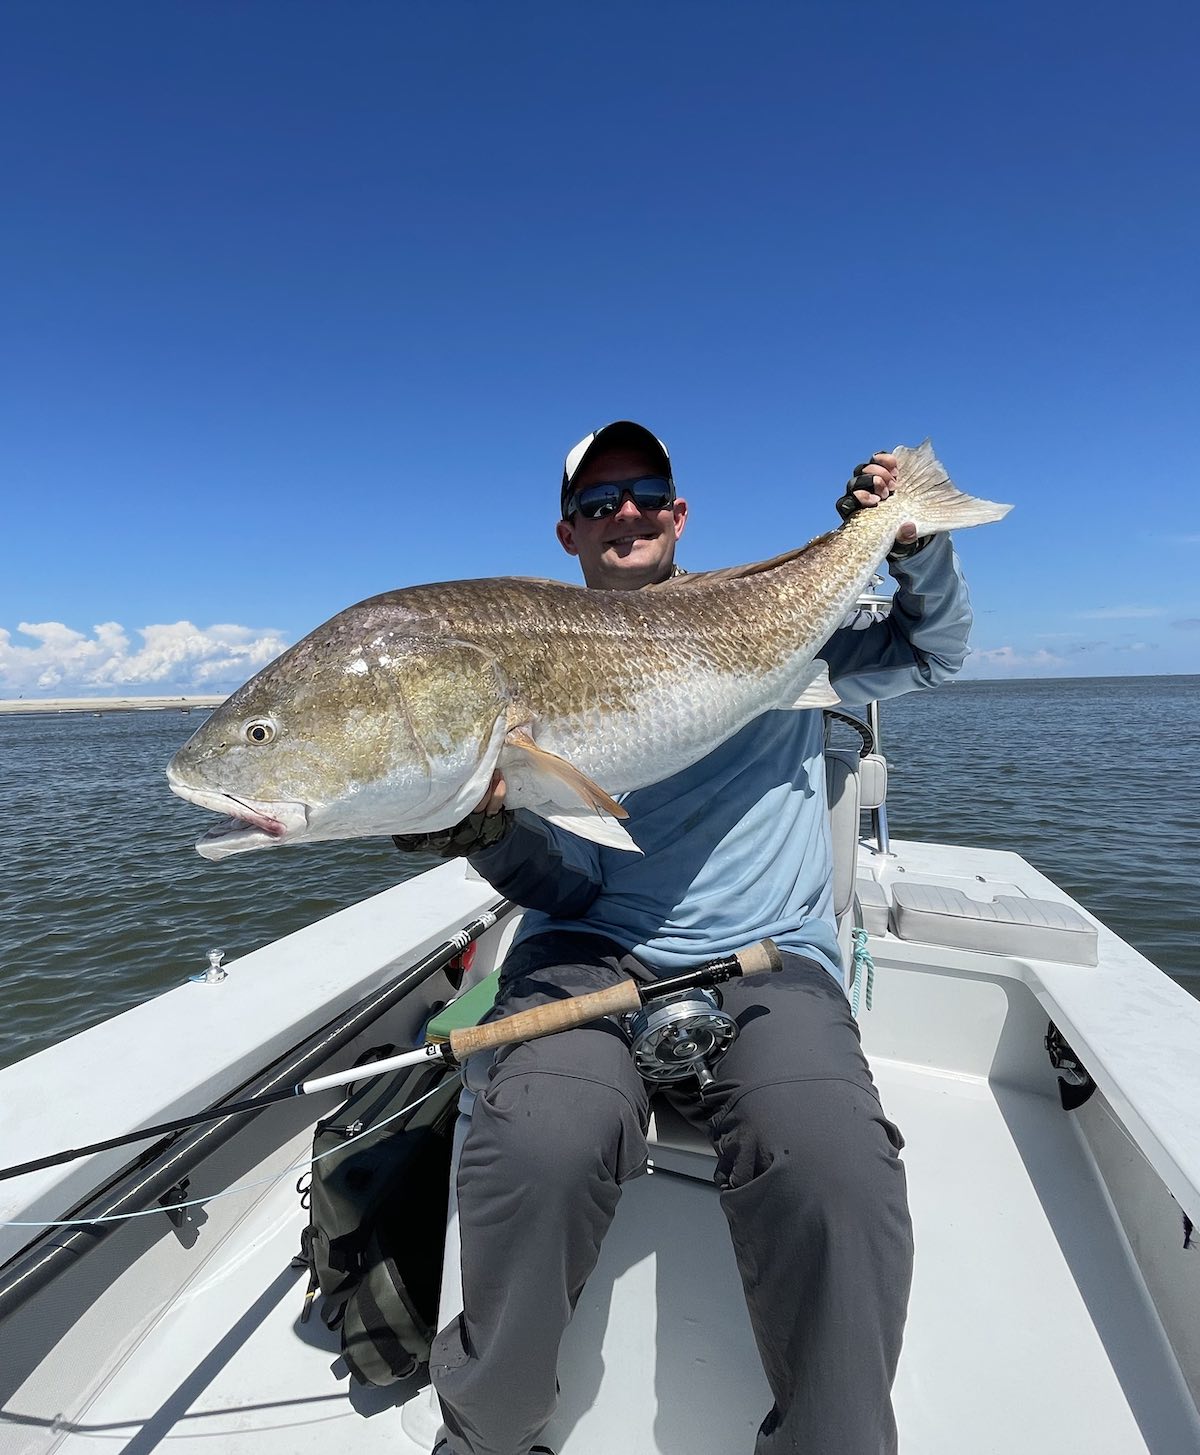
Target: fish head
{"points": [[359, 729]]}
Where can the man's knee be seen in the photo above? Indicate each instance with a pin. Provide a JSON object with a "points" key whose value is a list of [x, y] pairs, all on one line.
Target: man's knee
{"points": [[554, 1130], [824, 1147]]}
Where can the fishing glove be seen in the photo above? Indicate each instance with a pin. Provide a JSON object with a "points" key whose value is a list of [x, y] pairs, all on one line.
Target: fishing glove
{"points": [[476, 831], [847, 506]]}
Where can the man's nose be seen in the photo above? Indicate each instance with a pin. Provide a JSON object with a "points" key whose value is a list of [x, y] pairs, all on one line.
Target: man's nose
{"points": [[628, 508]]}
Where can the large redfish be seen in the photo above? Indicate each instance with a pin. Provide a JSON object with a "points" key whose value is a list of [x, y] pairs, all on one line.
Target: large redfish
{"points": [[393, 716]]}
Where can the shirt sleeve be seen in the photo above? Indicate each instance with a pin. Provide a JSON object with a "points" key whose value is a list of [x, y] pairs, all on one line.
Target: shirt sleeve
{"points": [[920, 643], [542, 867]]}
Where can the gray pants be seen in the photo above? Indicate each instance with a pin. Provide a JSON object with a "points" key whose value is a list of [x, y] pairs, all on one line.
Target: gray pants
{"points": [[811, 1184]]}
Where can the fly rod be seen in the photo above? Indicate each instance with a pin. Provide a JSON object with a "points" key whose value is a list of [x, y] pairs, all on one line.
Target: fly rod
{"points": [[624, 998]]}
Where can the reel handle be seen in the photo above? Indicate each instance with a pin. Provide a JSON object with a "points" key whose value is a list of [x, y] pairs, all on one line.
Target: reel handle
{"points": [[545, 1020]]}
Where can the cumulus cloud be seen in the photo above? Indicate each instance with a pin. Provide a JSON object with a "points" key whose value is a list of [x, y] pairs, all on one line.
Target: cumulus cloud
{"points": [[1009, 657], [176, 655]]}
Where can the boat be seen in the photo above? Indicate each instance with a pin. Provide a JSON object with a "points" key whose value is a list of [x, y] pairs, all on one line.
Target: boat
{"points": [[1045, 1074]]}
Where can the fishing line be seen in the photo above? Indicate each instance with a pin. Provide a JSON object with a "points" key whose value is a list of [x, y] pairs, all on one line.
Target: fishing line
{"points": [[150, 1212]]}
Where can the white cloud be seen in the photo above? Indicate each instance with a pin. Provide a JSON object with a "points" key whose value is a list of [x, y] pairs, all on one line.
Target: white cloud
{"points": [[1121, 613], [178, 655], [1008, 657]]}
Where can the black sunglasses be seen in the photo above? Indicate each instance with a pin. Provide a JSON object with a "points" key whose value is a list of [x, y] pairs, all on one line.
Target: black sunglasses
{"points": [[595, 502]]}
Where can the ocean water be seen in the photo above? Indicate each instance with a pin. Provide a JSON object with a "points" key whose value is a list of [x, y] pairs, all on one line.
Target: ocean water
{"points": [[104, 902]]}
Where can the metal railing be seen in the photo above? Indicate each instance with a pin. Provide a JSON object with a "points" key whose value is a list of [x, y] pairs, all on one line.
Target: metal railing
{"points": [[879, 606]]}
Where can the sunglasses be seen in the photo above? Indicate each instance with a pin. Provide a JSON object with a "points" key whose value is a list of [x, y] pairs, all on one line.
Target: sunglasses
{"points": [[595, 502]]}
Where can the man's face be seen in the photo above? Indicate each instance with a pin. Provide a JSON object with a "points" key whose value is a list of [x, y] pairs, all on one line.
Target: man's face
{"points": [[633, 547]]}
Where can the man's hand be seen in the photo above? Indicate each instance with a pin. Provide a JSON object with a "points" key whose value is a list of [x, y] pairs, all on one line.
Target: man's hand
{"points": [[493, 800], [479, 830], [870, 485]]}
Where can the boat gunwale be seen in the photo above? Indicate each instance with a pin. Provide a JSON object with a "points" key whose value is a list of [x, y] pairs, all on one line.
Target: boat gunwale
{"points": [[197, 1044]]}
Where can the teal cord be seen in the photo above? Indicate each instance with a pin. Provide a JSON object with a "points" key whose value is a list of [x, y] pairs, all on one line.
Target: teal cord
{"points": [[864, 967]]}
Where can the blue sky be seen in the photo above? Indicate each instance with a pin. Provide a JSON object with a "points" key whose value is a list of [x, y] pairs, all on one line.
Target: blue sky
{"points": [[303, 302]]}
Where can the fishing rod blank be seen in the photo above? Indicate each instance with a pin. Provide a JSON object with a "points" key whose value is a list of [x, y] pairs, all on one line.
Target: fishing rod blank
{"points": [[155, 1173], [527, 1025]]}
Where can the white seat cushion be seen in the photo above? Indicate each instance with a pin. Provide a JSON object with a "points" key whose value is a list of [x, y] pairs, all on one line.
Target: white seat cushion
{"points": [[1006, 925], [872, 780], [873, 905]]}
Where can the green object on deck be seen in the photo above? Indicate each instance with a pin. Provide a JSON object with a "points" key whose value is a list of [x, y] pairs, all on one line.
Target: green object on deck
{"points": [[864, 968], [468, 1010]]}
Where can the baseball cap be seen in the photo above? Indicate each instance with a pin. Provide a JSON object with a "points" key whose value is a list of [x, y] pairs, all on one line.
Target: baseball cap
{"points": [[612, 436]]}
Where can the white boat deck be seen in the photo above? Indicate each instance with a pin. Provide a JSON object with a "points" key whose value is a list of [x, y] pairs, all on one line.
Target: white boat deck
{"points": [[1006, 1222], [1031, 1327]]}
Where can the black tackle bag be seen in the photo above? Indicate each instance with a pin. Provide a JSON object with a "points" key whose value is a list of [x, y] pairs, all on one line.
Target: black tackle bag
{"points": [[377, 1218]]}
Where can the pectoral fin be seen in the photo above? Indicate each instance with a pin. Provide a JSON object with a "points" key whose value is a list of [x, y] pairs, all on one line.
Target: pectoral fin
{"points": [[564, 783], [557, 791], [817, 691], [600, 828]]}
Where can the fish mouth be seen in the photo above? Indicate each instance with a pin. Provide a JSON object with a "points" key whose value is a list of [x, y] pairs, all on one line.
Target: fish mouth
{"points": [[245, 826]]}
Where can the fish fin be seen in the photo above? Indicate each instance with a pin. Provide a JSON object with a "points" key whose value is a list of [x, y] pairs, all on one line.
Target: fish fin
{"points": [[818, 692], [931, 500], [726, 573], [545, 581], [561, 782], [600, 828]]}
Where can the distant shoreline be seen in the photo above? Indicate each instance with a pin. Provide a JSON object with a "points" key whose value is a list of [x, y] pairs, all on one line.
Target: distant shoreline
{"points": [[106, 704], [25, 705]]}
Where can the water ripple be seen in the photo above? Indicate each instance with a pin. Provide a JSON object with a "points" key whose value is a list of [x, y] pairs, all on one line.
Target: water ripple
{"points": [[1094, 781], [103, 901]]}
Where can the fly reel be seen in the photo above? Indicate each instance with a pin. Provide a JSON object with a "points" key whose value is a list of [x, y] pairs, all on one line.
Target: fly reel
{"points": [[679, 1035]]}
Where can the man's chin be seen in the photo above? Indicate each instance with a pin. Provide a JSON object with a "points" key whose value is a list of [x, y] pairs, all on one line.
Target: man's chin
{"points": [[633, 567]]}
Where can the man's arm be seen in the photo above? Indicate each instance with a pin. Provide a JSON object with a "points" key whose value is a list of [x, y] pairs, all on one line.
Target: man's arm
{"points": [[921, 643], [541, 867], [522, 856]]}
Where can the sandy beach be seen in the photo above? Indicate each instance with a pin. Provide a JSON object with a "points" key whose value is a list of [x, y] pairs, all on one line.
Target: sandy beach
{"points": [[106, 704]]}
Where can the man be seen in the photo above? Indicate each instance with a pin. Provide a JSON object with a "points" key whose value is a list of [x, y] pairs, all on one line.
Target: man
{"points": [[808, 1166]]}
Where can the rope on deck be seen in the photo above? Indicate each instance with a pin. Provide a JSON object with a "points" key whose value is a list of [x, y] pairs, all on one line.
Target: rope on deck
{"points": [[864, 969]]}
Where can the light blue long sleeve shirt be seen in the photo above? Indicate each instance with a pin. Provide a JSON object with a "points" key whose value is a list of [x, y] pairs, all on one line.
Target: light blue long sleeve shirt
{"points": [[736, 847]]}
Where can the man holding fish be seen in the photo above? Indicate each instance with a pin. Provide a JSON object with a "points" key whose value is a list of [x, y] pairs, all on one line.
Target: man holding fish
{"points": [[647, 777], [733, 848]]}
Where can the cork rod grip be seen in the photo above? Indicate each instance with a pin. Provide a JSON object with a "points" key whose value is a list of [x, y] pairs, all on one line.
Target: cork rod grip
{"points": [[544, 1020], [759, 959]]}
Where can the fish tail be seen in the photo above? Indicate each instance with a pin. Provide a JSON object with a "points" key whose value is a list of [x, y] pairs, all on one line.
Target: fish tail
{"points": [[930, 498]]}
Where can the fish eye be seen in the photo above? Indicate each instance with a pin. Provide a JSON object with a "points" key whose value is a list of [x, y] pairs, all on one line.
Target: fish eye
{"points": [[260, 730]]}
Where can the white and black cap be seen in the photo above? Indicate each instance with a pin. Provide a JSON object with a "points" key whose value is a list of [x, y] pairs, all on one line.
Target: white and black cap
{"points": [[622, 432]]}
